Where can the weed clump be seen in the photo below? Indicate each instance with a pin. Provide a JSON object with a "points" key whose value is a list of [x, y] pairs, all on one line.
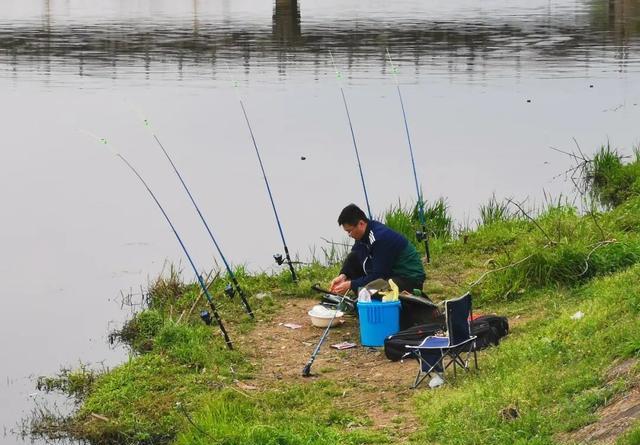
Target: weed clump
{"points": [[610, 181], [139, 332], [76, 383], [169, 292]]}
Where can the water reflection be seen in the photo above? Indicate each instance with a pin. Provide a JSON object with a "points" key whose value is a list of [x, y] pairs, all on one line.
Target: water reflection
{"points": [[286, 22], [564, 35]]}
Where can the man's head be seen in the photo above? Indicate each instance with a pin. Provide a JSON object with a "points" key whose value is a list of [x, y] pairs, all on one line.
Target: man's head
{"points": [[354, 221]]}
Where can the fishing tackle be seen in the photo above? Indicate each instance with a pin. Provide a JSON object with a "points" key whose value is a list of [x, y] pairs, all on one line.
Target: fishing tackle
{"points": [[184, 249], [353, 137], [277, 257], [229, 291], [422, 234]]}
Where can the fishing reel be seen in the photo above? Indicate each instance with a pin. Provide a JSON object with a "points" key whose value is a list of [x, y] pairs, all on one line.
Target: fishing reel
{"points": [[279, 259], [229, 291], [206, 317], [344, 304], [421, 236]]}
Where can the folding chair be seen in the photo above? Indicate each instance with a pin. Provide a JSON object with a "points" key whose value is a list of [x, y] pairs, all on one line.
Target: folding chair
{"points": [[433, 350]]}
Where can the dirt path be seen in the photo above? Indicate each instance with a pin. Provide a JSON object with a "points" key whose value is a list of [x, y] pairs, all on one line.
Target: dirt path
{"points": [[617, 416], [372, 383]]}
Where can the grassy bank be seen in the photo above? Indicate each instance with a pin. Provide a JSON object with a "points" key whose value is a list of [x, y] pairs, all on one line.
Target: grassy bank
{"points": [[554, 376]]}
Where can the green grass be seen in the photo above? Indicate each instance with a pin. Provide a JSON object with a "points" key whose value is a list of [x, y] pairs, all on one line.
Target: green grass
{"points": [[552, 370], [564, 249], [185, 364], [288, 415], [632, 437]]}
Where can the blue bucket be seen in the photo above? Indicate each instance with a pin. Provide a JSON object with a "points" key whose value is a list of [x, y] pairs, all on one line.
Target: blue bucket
{"points": [[378, 320]]}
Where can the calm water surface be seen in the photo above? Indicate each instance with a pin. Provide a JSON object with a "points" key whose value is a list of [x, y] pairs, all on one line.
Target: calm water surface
{"points": [[488, 88]]}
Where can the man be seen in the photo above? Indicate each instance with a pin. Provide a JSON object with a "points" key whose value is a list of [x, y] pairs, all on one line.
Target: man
{"points": [[378, 252]]}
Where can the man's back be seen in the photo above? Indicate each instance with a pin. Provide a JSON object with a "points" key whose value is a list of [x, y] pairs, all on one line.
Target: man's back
{"points": [[385, 253]]}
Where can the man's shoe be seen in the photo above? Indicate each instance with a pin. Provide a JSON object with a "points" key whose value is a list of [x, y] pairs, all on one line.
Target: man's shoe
{"points": [[436, 381]]}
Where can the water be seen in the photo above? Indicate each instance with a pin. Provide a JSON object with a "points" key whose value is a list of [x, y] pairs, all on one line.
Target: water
{"points": [[488, 88]]}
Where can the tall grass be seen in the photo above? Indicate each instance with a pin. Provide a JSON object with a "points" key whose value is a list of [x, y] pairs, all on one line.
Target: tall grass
{"points": [[494, 211], [405, 219], [562, 248]]}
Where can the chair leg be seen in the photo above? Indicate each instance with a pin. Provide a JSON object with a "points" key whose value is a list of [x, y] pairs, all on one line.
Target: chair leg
{"points": [[419, 376], [417, 380], [423, 374], [467, 357]]}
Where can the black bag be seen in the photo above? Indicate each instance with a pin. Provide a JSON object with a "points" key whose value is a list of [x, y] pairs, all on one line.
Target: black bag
{"points": [[489, 329], [394, 345], [418, 311]]}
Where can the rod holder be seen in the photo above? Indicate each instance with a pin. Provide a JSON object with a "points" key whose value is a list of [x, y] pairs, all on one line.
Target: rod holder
{"points": [[206, 317]]}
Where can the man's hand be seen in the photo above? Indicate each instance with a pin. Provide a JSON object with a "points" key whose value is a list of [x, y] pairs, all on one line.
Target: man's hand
{"points": [[342, 287], [336, 281]]}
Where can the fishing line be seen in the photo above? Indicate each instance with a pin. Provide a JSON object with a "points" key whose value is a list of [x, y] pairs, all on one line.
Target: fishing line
{"points": [[277, 257], [353, 136], [204, 315], [228, 290], [423, 234]]}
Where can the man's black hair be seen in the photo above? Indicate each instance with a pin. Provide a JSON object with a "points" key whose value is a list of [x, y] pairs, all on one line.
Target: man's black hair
{"points": [[351, 214]]}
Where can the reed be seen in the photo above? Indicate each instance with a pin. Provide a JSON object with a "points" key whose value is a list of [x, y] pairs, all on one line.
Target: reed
{"points": [[493, 211]]}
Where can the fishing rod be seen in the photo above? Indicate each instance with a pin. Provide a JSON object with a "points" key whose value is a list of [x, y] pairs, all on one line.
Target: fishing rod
{"points": [[422, 234], [306, 371], [205, 315], [277, 257], [353, 137], [229, 291]]}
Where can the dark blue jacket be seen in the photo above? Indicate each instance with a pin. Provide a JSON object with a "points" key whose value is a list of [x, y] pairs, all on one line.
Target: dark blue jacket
{"points": [[378, 251]]}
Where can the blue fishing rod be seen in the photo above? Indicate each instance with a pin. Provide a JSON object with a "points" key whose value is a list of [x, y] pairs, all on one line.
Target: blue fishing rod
{"points": [[277, 257], [353, 136], [422, 234], [229, 291], [205, 315]]}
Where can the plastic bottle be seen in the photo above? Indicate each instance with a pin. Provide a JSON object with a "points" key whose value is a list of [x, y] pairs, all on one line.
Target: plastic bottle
{"points": [[364, 296]]}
